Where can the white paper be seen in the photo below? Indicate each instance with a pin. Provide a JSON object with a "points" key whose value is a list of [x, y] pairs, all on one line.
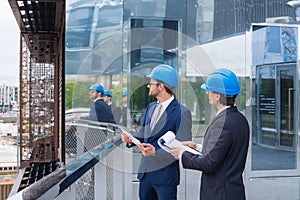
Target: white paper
{"points": [[133, 139], [168, 141]]}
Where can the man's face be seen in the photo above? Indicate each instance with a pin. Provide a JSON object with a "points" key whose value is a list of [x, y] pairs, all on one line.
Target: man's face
{"points": [[153, 88], [93, 94]]}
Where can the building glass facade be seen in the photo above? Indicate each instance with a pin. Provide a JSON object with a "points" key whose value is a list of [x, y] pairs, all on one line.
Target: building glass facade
{"points": [[117, 43]]}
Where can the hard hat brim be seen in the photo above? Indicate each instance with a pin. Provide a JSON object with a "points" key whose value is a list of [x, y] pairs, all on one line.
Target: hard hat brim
{"points": [[203, 86]]}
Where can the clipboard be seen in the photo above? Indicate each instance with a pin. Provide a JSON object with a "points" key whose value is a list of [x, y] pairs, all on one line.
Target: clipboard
{"points": [[168, 141], [133, 139]]}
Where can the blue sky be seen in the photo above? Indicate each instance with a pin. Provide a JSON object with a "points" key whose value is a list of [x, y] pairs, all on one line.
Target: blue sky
{"points": [[9, 48]]}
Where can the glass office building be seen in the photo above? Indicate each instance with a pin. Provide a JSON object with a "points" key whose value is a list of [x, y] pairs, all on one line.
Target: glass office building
{"points": [[118, 42]]}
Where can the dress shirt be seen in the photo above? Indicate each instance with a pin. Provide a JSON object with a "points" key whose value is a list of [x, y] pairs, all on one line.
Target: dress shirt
{"points": [[166, 103]]}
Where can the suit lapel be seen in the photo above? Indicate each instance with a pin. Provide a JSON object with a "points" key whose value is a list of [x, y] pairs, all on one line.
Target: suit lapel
{"points": [[164, 119], [147, 131]]}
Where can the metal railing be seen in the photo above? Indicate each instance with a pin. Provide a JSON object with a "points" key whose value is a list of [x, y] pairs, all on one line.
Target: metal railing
{"points": [[90, 165], [82, 136], [100, 167]]}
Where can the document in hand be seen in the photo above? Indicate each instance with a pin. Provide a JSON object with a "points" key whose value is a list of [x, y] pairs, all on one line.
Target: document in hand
{"points": [[168, 141], [133, 139]]}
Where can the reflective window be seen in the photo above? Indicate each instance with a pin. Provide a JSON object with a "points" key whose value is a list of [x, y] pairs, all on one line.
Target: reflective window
{"points": [[108, 16], [155, 42], [79, 28], [273, 40]]}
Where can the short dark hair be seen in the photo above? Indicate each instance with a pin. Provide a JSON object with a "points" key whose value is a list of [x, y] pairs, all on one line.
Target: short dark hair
{"points": [[227, 100], [169, 89], [102, 95]]}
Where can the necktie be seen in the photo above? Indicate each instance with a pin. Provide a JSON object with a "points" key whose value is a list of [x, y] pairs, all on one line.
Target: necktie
{"points": [[156, 115]]}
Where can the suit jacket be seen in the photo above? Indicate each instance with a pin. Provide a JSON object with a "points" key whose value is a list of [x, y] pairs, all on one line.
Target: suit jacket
{"points": [[162, 168], [100, 111], [224, 150], [116, 113]]}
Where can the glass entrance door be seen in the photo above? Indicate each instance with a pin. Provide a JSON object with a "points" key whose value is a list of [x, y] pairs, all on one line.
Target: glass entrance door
{"points": [[276, 105], [287, 102], [266, 105]]}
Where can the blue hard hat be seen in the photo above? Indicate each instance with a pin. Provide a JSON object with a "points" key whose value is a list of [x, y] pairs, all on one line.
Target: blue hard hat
{"points": [[124, 92], [107, 93], [97, 87], [222, 81], [166, 74]]}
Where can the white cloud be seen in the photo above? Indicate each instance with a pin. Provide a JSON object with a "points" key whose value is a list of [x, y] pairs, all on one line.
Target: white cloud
{"points": [[9, 46]]}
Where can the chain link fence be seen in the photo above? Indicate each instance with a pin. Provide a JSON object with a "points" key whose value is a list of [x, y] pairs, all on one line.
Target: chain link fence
{"points": [[82, 136]]}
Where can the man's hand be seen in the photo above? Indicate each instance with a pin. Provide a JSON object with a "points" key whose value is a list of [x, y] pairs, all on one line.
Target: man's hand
{"points": [[125, 138], [147, 149]]}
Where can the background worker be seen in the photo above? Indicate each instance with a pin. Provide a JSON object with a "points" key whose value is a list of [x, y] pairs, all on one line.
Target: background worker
{"points": [[99, 110], [225, 144], [116, 110], [158, 170]]}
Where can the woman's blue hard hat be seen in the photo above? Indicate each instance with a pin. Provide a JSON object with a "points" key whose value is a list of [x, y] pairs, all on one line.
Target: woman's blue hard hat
{"points": [[222, 81], [107, 93], [124, 92]]}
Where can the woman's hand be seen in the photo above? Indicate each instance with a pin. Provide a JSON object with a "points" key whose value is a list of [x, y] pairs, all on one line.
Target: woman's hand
{"points": [[191, 144], [175, 152]]}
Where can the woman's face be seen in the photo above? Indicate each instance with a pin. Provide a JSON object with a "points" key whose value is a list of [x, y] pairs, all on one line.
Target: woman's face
{"points": [[213, 98]]}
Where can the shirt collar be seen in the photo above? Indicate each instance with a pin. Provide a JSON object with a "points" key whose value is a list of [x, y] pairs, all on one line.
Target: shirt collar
{"points": [[166, 103], [224, 108], [97, 99]]}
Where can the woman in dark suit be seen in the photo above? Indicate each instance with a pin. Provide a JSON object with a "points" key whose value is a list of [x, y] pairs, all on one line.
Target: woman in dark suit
{"points": [[225, 144]]}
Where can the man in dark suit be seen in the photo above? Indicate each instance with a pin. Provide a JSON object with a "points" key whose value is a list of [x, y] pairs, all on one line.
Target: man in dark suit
{"points": [[100, 112], [225, 144], [159, 171]]}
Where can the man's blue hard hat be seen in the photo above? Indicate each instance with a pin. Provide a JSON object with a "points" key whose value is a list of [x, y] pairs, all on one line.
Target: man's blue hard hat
{"points": [[97, 87], [166, 74], [222, 81], [107, 93]]}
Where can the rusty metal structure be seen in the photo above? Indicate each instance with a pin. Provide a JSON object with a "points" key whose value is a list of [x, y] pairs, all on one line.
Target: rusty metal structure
{"points": [[41, 91]]}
